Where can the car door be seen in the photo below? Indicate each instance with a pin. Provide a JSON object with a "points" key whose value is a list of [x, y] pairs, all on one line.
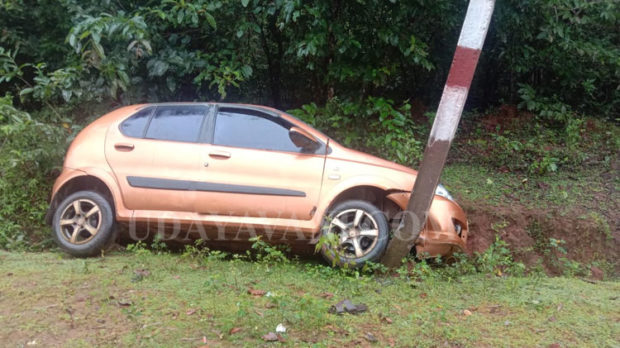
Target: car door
{"points": [[155, 155], [252, 168]]}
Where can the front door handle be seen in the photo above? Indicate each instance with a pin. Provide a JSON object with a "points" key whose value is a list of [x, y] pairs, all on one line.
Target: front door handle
{"points": [[219, 154], [123, 147]]}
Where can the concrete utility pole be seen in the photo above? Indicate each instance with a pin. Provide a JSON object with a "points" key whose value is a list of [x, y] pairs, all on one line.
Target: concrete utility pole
{"points": [[447, 119]]}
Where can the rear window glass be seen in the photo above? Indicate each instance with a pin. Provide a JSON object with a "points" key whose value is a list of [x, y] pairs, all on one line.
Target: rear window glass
{"points": [[177, 123], [134, 126]]}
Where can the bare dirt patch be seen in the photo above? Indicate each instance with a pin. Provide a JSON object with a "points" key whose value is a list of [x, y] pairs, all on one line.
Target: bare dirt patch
{"points": [[530, 234]]}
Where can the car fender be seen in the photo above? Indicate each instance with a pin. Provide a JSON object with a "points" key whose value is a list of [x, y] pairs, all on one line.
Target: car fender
{"points": [[378, 182], [105, 176], [65, 176]]}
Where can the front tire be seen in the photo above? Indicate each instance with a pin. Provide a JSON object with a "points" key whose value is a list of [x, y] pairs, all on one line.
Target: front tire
{"points": [[354, 232], [83, 224]]}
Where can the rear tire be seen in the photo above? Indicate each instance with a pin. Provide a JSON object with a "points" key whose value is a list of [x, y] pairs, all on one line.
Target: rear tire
{"points": [[83, 224], [356, 232]]}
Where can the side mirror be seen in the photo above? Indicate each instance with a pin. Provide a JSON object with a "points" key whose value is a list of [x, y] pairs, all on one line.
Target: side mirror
{"points": [[303, 139]]}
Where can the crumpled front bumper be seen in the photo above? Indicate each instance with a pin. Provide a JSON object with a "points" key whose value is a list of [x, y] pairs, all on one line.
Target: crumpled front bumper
{"points": [[446, 228], [445, 232]]}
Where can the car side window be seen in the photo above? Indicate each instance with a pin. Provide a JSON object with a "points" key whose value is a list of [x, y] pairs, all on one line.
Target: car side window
{"points": [[134, 125], [252, 129], [177, 123]]}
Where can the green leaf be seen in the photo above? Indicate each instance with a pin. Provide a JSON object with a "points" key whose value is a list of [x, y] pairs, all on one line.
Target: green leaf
{"points": [[246, 70], [211, 20], [245, 3], [72, 39], [66, 94], [171, 84], [157, 67], [123, 76], [553, 167], [26, 91], [98, 49]]}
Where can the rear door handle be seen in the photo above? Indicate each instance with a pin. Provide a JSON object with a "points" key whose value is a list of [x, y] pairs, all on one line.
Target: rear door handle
{"points": [[123, 146], [219, 154]]}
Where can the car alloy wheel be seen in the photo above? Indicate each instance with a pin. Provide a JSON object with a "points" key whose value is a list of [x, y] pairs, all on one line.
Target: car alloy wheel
{"points": [[357, 232], [80, 221], [83, 224]]}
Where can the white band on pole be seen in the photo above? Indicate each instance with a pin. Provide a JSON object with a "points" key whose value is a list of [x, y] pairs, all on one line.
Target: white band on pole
{"points": [[476, 24], [448, 113]]}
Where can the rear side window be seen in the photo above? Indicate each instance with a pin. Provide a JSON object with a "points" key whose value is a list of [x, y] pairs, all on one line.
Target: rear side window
{"points": [[248, 129], [134, 126], [177, 123]]}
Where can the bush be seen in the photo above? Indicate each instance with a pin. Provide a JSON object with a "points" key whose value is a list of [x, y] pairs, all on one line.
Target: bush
{"points": [[547, 138], [567, 50], [373, 125], [498, 259], [29, 152]]}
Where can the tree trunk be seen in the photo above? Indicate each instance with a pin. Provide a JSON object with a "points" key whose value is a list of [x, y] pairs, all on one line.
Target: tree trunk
{"points": [[274, 59]]}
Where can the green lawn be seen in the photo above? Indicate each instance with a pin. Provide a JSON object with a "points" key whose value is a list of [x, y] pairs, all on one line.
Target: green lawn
{"points": [[49, 299]]}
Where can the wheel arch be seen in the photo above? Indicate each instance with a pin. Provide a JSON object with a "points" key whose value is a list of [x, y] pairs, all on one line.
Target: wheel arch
{"points": [[378, 196], [81, 181]]}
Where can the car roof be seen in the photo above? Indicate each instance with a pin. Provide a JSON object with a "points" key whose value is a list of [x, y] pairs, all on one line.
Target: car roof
{"points": [[271, 111]]}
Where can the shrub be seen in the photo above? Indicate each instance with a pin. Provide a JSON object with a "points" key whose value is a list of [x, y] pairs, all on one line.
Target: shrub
{"points": [[267, 253], [29, 152], [374, 125], [549, 141], [498, 259]]}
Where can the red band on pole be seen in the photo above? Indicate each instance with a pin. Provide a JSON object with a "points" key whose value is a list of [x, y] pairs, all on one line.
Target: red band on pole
{"points": [[463, 67]]}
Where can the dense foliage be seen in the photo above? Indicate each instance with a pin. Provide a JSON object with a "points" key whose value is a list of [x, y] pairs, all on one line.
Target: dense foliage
{"points": [[367, 72], [563, 53], [29, 150]]}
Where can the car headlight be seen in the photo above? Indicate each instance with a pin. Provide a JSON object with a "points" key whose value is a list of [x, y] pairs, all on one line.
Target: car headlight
{"points": [[441, 191]]}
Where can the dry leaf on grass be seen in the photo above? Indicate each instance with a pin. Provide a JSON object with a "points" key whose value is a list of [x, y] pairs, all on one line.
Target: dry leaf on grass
{"points": [[326, 295], [257, 293]]}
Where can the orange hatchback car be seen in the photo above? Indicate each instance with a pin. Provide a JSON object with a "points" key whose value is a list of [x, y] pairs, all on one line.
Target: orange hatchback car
{"points": [[228, 172]]}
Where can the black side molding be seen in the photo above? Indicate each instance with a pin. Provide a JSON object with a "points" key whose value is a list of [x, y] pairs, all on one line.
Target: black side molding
{"points": [[187, 185]]}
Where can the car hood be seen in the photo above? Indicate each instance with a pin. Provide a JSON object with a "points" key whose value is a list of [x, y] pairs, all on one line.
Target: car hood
{"points": [[344, 153], [402, 177]]}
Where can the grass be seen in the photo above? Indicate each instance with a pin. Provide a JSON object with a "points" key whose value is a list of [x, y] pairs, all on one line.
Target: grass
{"points": [[589, 189], [148, 299]]}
